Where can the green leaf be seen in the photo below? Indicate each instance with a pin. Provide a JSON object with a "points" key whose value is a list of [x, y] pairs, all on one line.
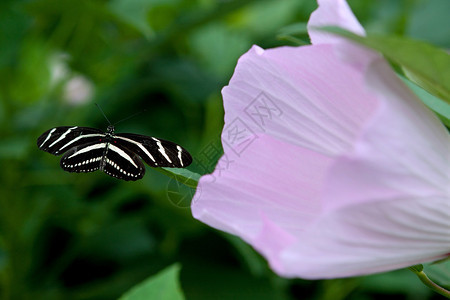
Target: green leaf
{"points": [[424, 64], [395, 282], [163, 286], [183, 176], [439, 273], [441, 108]]}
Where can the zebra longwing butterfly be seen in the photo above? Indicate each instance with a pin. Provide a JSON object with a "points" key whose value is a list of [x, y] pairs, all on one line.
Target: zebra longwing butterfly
{"points": [[118, 155]]}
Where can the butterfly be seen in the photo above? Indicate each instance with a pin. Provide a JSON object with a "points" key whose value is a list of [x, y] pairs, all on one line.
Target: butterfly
{"points": [[118, 155]]}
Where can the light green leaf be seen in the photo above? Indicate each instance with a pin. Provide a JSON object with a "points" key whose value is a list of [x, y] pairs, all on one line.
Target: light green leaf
{"points": [[183, 176], [163, 286], [441, 108], [426, 65], [395, 282], [439, 272]]}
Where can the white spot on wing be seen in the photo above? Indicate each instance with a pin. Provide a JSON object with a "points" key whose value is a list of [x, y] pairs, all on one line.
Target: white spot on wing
{"points": [[161, 149], [180, 150]]}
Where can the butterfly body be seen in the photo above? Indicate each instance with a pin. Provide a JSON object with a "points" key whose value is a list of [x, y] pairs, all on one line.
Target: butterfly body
{"points": [[118, 155]]}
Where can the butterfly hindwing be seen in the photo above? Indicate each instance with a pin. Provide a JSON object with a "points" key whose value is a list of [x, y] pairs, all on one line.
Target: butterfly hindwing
{"points": [[122, 163], [155, 152], [116, 162], [84, 158], [60, 139]]}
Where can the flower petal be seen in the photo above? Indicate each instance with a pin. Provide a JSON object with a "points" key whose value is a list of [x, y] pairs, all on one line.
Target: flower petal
{"points": [[403, 150], [232, 198], [370, 238], [304, 95], [387, 202], [332, 13], [333, 167], [253, 197]]}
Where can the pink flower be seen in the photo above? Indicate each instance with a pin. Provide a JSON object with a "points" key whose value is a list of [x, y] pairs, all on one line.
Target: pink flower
{"points": [[332, 167]]}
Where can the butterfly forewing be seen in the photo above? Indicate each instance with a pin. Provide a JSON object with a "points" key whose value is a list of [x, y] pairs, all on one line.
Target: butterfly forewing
{"points": [[61, 139], [155, 152]]}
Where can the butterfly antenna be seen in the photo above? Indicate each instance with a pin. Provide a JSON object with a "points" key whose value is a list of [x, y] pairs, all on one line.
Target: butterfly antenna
{"points": [[98, 106], [129, 117]]}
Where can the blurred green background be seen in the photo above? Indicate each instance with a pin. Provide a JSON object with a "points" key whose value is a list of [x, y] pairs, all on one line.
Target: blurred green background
{"points": [[89, 236]]}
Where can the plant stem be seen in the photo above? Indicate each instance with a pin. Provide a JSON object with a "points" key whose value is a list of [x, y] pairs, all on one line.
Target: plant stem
{"points": [[429, 283]]}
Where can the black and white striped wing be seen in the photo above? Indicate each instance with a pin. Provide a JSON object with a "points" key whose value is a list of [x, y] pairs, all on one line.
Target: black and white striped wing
{"points": [[83, 158], [118, 162], [89, 149], [60, 139], [155, 152], [122, 163]]}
